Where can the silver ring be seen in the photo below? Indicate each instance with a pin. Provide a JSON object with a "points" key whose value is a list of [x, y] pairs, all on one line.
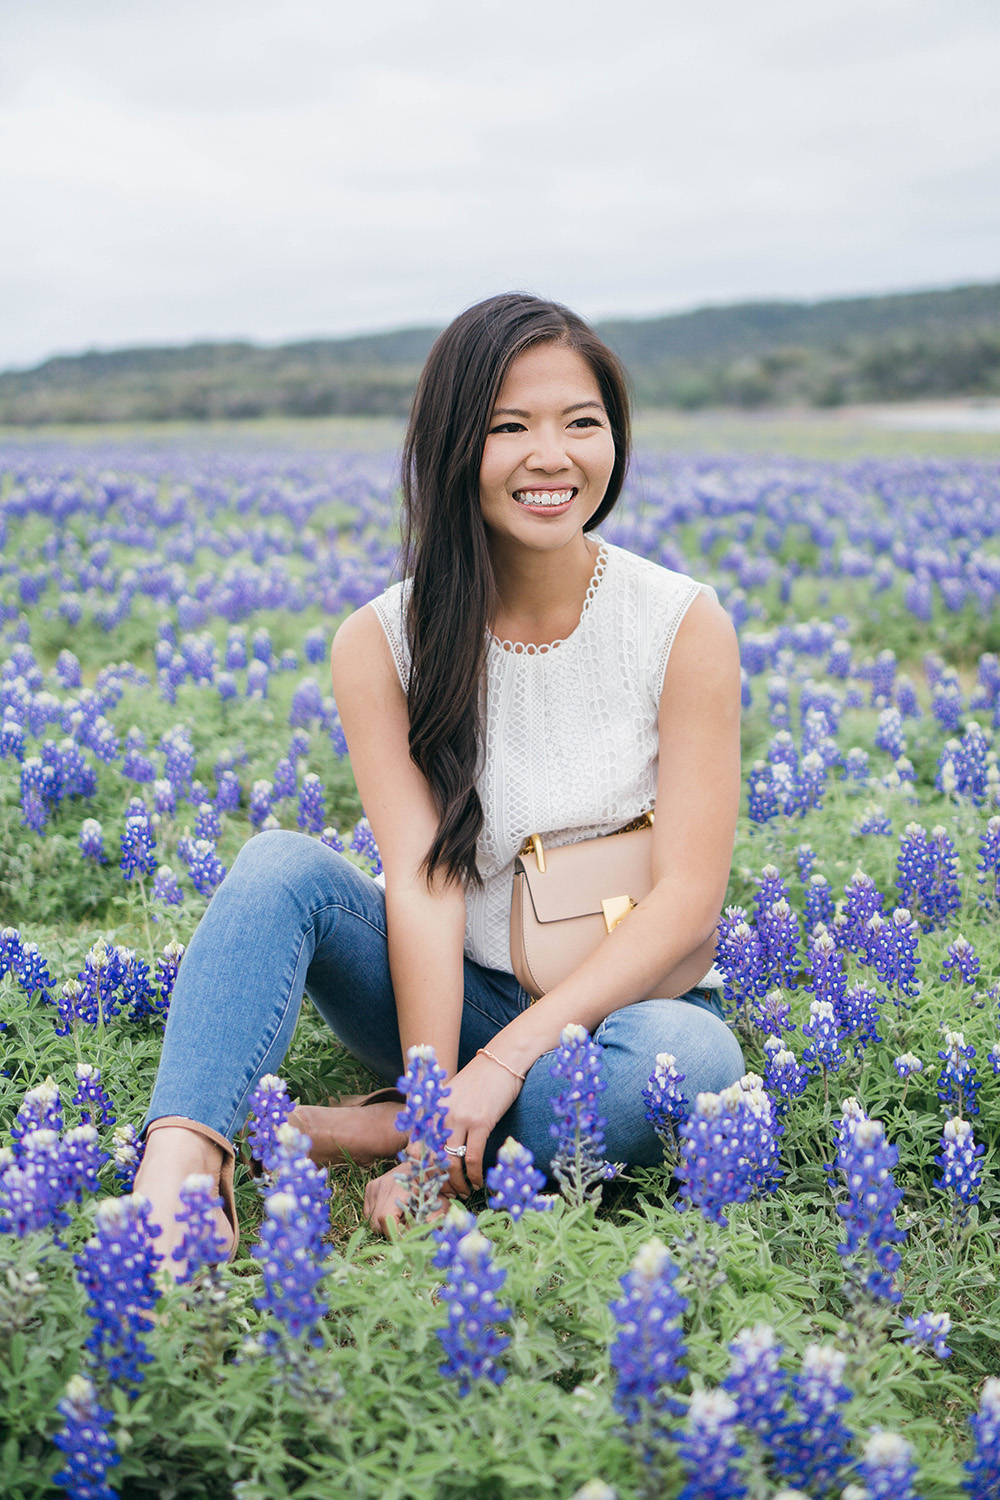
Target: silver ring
{"points": [[456, 1150]]}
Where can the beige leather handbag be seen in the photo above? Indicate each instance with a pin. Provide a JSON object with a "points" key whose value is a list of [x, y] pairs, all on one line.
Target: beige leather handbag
{"points": [[566, 900]]}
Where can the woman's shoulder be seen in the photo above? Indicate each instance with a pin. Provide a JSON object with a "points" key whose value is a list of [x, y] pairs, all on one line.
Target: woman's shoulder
{"points": [[663, 586], [379, 626]]}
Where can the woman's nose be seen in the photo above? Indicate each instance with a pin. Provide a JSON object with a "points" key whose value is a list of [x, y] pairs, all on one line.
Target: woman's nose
{"points": [[548, 453]]}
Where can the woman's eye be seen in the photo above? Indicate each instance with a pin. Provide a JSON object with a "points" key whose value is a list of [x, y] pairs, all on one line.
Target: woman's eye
{"points": [[507, 427], [587, 422]]}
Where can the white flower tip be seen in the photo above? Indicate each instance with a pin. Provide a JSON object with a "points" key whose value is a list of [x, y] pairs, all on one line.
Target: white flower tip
{"points": [[884, 1448], [650, 1259], [574, 1032]]}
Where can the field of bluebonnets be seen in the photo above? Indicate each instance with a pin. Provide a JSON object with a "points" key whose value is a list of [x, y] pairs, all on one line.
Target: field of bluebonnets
{"points": [[802, 1300]]}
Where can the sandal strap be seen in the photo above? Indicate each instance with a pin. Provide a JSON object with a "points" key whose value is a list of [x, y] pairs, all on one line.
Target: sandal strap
{"points": [[226, 1192]]}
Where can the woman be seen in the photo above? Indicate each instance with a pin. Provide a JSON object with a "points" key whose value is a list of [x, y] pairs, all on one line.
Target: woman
{"points": [[527, 678]]}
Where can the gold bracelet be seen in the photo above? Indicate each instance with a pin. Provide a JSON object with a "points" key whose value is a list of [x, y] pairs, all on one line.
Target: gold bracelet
{"points": [[485, 1052]]}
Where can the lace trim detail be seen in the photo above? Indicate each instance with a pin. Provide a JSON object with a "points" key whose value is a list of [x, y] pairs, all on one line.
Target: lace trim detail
{"points": [[393, 624], [528, 648], [668, 640]]}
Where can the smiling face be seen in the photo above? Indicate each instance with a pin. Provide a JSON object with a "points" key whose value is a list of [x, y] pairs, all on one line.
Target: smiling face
{"points": [[549, 450]]}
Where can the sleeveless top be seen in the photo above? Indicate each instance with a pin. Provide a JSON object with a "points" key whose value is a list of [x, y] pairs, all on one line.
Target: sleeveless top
{"points": [[570, 742]]}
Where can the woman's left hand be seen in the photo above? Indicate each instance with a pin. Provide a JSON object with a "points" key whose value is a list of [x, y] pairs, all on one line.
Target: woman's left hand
{"points": [[480, 1095]]}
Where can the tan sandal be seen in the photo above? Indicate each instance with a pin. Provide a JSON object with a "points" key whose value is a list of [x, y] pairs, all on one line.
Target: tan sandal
{"points": [[225, 1172]]}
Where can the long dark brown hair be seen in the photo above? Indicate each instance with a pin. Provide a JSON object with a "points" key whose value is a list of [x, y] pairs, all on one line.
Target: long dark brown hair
{"points": [[445, 548]]}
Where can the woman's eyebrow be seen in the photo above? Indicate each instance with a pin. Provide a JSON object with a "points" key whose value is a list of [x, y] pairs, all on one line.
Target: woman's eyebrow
{"points": [[514, 411]]}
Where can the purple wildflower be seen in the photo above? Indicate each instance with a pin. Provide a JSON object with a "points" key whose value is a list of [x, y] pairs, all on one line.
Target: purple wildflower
{"points": [[578, 1163], [648, 1352], [115, 1269], [270, 1107], [424, 1120], [515, 1182], [957, 1083], [708, 1449], [471, 1340], [929, 1330], [867, 1161], [86, 1443]]}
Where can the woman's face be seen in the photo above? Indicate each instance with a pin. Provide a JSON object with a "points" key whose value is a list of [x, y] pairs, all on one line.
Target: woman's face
{"points": [[549, 451]]}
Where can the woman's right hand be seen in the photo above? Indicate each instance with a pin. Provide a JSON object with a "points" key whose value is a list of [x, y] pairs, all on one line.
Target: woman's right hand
{"points": [[385, 1200]]}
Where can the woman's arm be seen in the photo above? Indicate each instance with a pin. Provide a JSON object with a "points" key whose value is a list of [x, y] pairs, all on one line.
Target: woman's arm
{"points": [[697, 800], [426, 925]]}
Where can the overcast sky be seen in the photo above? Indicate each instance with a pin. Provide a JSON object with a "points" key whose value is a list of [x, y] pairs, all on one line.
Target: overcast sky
{"points": [[277, 169]]}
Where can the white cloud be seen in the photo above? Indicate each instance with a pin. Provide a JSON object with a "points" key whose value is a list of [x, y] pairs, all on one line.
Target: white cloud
{"points": [[234, 167]]}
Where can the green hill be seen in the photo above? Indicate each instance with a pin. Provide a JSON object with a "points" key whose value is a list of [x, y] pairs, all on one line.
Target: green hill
{"points": [[751, 354]]}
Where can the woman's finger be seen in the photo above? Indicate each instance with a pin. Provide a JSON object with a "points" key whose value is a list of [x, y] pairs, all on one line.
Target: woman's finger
{"points": [[475, 1146]]}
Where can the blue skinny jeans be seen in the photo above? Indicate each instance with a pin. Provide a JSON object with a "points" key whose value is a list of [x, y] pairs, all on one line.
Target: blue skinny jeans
{"points": [[293, 917]]}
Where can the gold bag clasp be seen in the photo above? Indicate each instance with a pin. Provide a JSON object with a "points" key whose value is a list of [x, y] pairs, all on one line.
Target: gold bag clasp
{"points": [[615, 909]]}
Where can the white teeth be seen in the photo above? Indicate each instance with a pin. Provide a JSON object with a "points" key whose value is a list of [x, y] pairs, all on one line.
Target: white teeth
{"points": [[543, 497]]}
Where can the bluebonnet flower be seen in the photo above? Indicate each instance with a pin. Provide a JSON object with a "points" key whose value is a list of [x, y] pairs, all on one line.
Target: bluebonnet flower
{"points": [[363, 843], [826, 978], [236, 649], [167, 966], [165, 887], [92, 1097], [648, 1354], [906, 1064], [773, 1014], [856, 766], [578, 1163], [708, 1449], [290, 1256], [930, 1330], [515, 1182], [739, 958], [164, 798], [423, 1118], [906, 699], [307, 703], [204, 866], [994, 1058], [270, 1106], [127, 1151], [258, 678], [862, 901], [226, 686], [228, 793], [206, 823], [858, 1016], [756, 1382], [665, 1103], [983, 1468], [959, 1159], [86, 1443], [824, 1032], [92, 841], [887, 1467], [115, 1269], [138, 844], [34, 811], [988, 862], [927, 875], [314, 645], [957, 1083], [201, 1244], [762, 801], [819, 903], [811, 782], [782, 751], [311, 814], [261, 801], [40, 1109], [471, 1340], [867, 1161], [785, 1078], [889, 735], [778, 936], [728, 1149], [286, 781], [813, 1447], [454, 1227], [805, 858], [892, 951], [178, 759], [32, 1185], [874, 822], [962, 956], [81, 1159], [331, 838], [770, 888]]}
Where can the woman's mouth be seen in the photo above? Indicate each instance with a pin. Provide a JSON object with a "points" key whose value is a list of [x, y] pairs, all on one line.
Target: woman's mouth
{"points": [[549, 501]]}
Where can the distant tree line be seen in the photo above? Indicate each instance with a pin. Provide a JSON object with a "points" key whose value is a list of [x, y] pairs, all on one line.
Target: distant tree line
{"points": [[752, 355]]}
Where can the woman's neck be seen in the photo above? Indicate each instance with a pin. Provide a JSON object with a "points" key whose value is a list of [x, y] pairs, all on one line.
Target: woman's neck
{"points": [[540, 595]]}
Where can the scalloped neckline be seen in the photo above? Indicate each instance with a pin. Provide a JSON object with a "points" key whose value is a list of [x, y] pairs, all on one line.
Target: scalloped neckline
{"points": [[528, 648]]}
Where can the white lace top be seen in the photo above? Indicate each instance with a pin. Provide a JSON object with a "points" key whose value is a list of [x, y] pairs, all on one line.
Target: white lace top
{"points": [[571, 728]]}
